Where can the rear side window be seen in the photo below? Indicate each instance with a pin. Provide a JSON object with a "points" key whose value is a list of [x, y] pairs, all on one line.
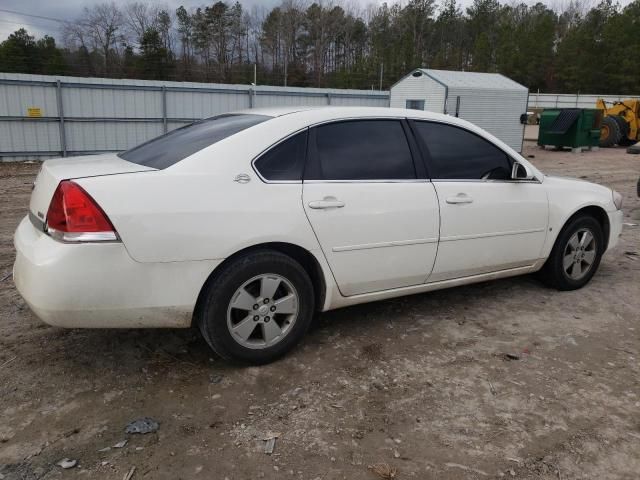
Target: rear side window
{"points": [[455, 153], [170, 148], [285, 161], [360, 150]]}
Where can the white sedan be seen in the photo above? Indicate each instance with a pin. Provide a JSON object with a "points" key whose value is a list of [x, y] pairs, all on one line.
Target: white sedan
{"points": [[247, 223]]}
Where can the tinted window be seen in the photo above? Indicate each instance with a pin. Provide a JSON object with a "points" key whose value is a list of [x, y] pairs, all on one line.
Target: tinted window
{"points": [[170, 148], [456, 153], [285, 161], [361, 150]]}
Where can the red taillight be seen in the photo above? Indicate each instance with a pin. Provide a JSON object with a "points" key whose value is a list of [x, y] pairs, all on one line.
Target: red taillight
{"points": [[74, 216]]}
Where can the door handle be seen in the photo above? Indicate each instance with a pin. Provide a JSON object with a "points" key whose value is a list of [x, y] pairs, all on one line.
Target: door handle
{"points": [[327, 202], [460, 198]]}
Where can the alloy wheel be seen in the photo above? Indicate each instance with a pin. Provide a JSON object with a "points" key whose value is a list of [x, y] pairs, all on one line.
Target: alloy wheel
{"points": [[262, 311], [579, 254]]}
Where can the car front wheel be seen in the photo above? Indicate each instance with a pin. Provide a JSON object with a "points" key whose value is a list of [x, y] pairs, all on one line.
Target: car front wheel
{"points": [[257, 307], [576, 254]]}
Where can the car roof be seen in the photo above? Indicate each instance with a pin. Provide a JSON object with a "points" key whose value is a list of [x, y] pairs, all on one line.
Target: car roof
{"points": [[325, 113], [301, 116], [273, 111], [290, 119]]}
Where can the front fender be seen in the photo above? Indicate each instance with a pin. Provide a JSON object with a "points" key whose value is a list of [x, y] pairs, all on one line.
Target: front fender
{"points": [[567, 197]]}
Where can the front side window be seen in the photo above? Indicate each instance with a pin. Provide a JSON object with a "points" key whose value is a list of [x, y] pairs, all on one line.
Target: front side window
{"points": [[285, 161], [455, 153], [360, 150], [168, 149]]}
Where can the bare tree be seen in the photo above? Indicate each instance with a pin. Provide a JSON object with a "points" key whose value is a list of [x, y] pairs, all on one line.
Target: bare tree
{"points": [[106, 25], [292, 24], [99, 28], [139, 17], [76, 38], [186, 37]]}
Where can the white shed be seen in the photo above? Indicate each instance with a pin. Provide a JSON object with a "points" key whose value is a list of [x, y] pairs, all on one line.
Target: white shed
{"points": [[489, 100]]}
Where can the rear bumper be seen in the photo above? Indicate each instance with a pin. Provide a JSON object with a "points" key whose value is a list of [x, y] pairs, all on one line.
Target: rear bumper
{"points": [[615, 228], [98, 285]]}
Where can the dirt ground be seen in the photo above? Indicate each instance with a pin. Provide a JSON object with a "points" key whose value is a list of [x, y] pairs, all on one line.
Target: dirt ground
{"points": [[422, 383]]}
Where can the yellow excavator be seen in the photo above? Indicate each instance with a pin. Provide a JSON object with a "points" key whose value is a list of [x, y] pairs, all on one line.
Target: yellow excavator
{"points": [[620, 122]]}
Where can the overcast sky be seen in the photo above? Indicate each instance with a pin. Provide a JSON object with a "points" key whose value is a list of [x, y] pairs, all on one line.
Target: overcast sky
{"points": [[69, 9]]}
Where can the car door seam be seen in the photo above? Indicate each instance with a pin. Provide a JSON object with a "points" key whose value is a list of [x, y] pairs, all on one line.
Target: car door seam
{"points": [[313, 230], [435, 258], [547, 226]]}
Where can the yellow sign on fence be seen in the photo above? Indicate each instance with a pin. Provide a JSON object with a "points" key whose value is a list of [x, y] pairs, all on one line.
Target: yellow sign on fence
{"points": [[34, 112]]}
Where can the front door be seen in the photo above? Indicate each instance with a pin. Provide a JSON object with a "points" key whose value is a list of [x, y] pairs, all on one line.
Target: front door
{"points": [[488, 222], [377, 223]]}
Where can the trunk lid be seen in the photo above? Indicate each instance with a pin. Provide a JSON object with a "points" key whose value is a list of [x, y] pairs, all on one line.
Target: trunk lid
{"points": [[54, 171]]}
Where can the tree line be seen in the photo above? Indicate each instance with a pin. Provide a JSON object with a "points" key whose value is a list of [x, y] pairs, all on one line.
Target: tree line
{"points": [[570, 48]]}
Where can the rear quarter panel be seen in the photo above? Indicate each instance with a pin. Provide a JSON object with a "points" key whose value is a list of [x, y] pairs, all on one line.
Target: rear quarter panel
{"points": [[194, 210]]}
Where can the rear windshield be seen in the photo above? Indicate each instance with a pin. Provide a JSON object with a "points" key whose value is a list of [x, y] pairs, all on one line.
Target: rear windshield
{"points": [[168, 149]]}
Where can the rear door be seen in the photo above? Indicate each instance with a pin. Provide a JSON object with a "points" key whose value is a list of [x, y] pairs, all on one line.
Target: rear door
{"points": [[488, 221], [374, 214]]}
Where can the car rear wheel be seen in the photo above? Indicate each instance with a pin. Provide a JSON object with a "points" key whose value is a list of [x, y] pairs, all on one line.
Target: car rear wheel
{"points": [[576, 254], [257, 307]]}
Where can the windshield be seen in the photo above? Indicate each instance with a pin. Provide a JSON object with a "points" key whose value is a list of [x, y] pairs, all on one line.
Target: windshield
{"points": [[168, 149]]}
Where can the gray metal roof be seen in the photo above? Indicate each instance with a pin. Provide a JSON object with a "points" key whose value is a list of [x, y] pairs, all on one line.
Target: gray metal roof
{"points": [[475, 80]]}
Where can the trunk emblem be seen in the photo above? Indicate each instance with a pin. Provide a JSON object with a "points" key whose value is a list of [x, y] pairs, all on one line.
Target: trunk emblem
{"points": [[242, 178], [41, 215]]}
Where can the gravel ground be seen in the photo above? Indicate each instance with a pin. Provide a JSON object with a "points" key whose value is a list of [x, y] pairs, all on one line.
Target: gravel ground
{"points": [[420, 385]]}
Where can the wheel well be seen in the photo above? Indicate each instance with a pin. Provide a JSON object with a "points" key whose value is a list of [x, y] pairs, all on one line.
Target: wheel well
{"points": [[299, 254], [600, 215]]}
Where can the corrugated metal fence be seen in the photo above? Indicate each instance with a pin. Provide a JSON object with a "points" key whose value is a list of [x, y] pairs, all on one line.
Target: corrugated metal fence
{"points": [[564, 100], [48, 116]]}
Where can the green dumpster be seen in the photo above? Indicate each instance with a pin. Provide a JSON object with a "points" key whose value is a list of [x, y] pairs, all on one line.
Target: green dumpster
{"points": [[570, 127]]}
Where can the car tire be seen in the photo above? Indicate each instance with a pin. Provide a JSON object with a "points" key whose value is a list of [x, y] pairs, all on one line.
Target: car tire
{"points": [[261, 332], [571, 266]]}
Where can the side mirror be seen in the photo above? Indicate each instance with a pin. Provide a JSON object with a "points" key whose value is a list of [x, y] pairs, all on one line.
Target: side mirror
{"points": [[520, 172]]}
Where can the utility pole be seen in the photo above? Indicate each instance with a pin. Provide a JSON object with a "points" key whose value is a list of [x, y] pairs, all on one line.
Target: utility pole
{"points": [[255, 74], [381, 73]]}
